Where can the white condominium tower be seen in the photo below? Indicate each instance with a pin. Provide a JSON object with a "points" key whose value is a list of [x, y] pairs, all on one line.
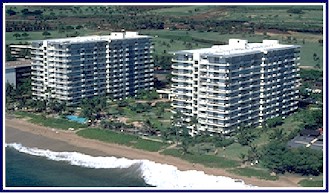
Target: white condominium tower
{"points": [[234, 85], [70, 69]]}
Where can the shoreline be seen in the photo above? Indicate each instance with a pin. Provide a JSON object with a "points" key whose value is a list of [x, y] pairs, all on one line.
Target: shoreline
{"points": [[31, 135]]}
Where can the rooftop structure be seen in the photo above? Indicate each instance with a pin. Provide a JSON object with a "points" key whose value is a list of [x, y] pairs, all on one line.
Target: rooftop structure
{"points": [[18, 63], [235, 85]]}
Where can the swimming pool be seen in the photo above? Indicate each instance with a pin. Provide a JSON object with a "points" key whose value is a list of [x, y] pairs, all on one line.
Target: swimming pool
{"points": [[76, 119]]}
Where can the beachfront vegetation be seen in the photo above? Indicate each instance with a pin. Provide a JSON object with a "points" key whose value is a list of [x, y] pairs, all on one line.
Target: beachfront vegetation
{"points": [[252, 172], [57, 123], [207, 160], [146, 115], [246, 145], [122, 139], [278, 158], [20, 98], [311, 183]]}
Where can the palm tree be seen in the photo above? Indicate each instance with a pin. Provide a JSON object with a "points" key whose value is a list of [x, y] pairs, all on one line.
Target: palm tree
{"points": [[185, 145], [17, 35], [46, 34], [25, 35], [243, 156], [194, 122], [277, 134], [252, 154], [177, 122]]}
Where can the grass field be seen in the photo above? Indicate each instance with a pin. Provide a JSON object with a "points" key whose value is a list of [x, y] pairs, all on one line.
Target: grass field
{"points": [[311, 183], [207, 160], [166, 45], [151, 115], [50, 122], [273, 15], [122, 139], [183, 10], [10, 38], [251, 172], [233, 151], [166, 41], [277, 15], [310, 46]]}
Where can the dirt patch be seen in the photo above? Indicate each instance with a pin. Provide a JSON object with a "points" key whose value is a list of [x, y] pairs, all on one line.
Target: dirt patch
{"points": [[137, 124], [125, 120], [271, 32]]}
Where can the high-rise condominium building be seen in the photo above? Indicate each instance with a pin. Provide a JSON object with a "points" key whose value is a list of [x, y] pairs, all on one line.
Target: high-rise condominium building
{"points": [[234, 85], [70, 69]]}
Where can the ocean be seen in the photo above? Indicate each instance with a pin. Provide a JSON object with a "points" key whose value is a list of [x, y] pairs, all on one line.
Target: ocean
{"points": [[33, 167], [24, 170]]}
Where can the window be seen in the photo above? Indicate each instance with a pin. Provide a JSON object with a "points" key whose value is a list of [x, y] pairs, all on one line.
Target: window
{"points": [[196, 69]]}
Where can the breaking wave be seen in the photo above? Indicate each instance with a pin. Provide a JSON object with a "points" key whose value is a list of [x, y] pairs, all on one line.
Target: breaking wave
{"points": [[161, 176]]}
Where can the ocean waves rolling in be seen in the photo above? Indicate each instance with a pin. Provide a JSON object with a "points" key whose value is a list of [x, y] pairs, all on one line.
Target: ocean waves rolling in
{"points": [[161, 176]]}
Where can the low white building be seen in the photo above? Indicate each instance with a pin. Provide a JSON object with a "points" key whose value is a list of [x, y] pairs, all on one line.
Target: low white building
{"points": [[165, 94], [17, 72]]}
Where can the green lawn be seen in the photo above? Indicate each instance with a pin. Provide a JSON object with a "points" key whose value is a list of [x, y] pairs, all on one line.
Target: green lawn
{"points": [[183, 10], [289, 125], [166, 41], [10, 39], [164, 45], [207, 160], [251, 172], [233, 151], [163, 38], [161, 123], [274, 15], [277, 15], [307, 51], [311, 183], [50, 122], [122, 139]]}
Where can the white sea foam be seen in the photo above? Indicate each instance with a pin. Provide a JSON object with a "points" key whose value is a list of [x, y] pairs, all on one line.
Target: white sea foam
{"points": [[159, 175]]}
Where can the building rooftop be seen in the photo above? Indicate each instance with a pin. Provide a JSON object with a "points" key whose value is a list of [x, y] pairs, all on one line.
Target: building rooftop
{"points": [[310, 132], [14, 64], [303, 141], [239, 47], [113, 36], [20, 46]]}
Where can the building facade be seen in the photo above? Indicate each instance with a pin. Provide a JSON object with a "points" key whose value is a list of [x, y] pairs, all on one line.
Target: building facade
{"points": [[70, 69], [20, 52], [234, 85], [17, 72]]}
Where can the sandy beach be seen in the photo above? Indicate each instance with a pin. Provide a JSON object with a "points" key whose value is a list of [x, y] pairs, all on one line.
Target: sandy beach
{"points": [[31, 135]]}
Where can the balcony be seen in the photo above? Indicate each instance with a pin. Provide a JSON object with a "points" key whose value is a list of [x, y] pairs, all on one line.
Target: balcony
{"points": [[39, 84], [182, 67], [188, 74], [190, 80]]}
